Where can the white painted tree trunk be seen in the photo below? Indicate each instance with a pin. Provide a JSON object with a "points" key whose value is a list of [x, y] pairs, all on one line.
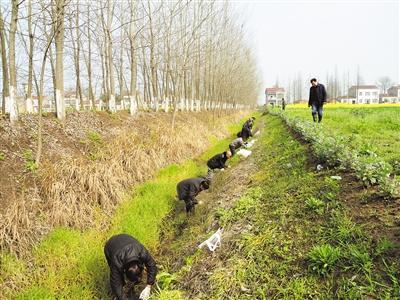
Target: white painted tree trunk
{"points": [[132, 105], [29, 105], [13, 109], [187, 104], [77, 104], [112, 106], [60, 105], [198, 105], [155, 104], [100, 105], [182, 104], [191, 105], [166, 104]]}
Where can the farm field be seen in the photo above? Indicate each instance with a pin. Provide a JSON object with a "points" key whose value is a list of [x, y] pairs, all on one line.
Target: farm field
{"points": [[368, 128]]}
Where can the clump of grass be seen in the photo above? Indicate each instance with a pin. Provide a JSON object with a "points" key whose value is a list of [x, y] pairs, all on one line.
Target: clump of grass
{"points": [[342, 229], [324, 258], [94, 136], [383, 245], [359, 257], [316, 205], [30, 163]]}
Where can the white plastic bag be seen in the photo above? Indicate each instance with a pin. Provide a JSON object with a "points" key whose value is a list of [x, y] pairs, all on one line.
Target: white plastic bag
{"points": [[213, 241], [251, 143], [244, 152]]}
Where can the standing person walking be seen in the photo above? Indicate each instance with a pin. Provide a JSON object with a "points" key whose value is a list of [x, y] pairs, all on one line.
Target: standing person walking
{"points": [[317, 99], [283, 104]]}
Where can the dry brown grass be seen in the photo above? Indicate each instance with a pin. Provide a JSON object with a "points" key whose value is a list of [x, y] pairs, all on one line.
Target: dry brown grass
{"points": [[70, 191]]}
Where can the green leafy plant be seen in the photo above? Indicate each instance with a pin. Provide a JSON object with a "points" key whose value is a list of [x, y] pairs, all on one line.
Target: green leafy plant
{"points": [[30, 163], [343, 229], [324, 258], [359, 257], [315, 204], [94, 136], [165, 280], [2, 156]]}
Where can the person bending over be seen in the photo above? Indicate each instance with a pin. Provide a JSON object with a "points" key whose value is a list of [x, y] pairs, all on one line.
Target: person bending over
{"points": [[188, 189], [219, 161], [127, 258], [236, 144]]}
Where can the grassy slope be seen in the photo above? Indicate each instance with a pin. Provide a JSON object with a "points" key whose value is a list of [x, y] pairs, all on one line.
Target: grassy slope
{"points": [[370, 128], [70, 264], [302, 243]]}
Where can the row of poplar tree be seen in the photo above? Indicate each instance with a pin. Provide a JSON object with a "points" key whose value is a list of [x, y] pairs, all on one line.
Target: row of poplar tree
{"points": [[169, 55]]}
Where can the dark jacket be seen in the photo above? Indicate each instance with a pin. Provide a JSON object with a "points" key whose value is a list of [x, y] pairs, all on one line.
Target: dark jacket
{"points": [[246, 133], [317, 95], [236, 143], [188, 189], [121, 250], [218, 161], [249, 124]]}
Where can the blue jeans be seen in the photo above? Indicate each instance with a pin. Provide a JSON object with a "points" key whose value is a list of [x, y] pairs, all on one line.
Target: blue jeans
{"points": [[317, 109]]}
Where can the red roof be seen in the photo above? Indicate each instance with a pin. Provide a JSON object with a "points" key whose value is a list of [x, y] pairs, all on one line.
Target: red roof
{"points": [[274, 90]]}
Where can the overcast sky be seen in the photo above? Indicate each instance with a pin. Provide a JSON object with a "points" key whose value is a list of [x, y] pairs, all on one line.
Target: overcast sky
{"points": [[315, 36]]}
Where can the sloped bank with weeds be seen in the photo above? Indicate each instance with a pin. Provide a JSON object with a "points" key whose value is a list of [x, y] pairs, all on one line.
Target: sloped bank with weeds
{"points": [[69, 263], [72, 190]]}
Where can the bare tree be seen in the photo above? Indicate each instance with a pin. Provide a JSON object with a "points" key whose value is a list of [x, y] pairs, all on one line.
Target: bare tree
{"points": [[384, 83], [13, 71], [6, 82], [58, 24]]}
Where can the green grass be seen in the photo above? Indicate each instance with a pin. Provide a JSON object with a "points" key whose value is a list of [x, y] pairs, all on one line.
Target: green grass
{"points": [[70, 264], [302, 244], [370, 129], [30, 164]]}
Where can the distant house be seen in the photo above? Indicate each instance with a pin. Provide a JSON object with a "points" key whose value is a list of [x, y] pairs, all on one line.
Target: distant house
{"points": [[394, 91], [71, 101], [346, 99], [393, 95], [273, 96], [364, 94]]}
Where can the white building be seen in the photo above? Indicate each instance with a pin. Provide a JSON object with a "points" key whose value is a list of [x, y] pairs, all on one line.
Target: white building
{"points": [[364, 94], [393, 95], [273, 96]]}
